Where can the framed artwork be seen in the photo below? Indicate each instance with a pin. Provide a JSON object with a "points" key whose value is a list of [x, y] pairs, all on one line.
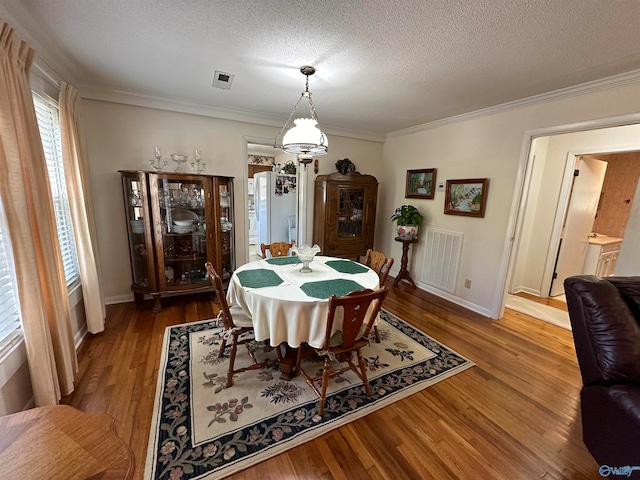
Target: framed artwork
{"points": [[421, 183], [466, 197]]}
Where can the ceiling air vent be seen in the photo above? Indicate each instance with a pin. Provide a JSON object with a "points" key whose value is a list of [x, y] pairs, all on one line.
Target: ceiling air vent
{"points": [[222, 80]]}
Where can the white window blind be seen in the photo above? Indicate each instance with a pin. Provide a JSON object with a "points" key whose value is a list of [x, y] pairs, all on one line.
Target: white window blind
{"points": [[49, 125], [9, 310]]}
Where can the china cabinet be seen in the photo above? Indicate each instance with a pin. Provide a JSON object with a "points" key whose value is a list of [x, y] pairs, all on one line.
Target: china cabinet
{"points": [[176, 222], [345, 213]]}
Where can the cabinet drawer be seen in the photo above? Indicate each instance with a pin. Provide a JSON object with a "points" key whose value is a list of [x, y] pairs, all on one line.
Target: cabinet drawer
{"points": [[353, 249], [610, 247]]}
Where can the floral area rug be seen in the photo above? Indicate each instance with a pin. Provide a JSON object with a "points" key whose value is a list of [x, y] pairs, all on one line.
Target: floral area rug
{"points": [[202, 430]]}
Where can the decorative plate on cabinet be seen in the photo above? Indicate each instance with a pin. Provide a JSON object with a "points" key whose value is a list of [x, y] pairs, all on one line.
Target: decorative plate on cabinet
{"points": [[182, 214]]}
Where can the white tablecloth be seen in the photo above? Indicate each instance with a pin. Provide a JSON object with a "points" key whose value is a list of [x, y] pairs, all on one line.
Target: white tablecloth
{"points": [[285, 313]]}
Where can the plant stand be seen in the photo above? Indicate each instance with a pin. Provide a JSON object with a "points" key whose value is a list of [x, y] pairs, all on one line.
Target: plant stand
{"points": [[404, 271]]}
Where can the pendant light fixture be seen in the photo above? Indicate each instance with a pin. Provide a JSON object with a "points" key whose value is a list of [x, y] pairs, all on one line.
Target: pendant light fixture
{"points": [[305, 140]]}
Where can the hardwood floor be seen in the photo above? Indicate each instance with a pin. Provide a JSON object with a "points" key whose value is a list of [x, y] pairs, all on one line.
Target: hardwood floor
{"points": [[515, 415]]}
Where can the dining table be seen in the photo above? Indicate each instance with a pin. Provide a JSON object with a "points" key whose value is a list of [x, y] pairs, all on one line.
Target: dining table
{"points": [[291, 307]]}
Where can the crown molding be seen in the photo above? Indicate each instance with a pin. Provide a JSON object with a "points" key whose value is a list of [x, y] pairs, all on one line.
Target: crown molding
{"points": [[573, 91], [106, 94], [49, 57]]}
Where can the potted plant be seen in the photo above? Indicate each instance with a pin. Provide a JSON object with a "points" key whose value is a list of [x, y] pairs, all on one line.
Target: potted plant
{"points": [[408, 219], [345, 166], [289, 168]]}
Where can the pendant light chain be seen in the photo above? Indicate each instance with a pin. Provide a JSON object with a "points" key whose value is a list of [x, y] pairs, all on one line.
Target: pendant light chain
{"points": [[275, 142], [314, 115], [307, 94]]}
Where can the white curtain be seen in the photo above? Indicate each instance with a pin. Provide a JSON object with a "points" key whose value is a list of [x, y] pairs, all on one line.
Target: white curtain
{"points": [[76, 172], [28, 205]]}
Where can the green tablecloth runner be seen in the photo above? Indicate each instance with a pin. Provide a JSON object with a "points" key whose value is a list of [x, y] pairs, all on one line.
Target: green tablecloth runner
{"points": [[283, 260], [346, 266], [260, 277], [326, 288]]}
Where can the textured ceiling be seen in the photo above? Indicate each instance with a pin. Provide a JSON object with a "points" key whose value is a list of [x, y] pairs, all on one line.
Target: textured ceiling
{"points": [[381, 66]]}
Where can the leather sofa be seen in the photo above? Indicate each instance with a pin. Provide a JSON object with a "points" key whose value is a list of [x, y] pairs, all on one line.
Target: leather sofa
{"points": [[605, 316]]}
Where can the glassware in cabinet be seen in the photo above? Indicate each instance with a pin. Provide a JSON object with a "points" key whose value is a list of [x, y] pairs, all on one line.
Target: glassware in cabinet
{"points": [[226, 260], [181, 210], [139, 236]]}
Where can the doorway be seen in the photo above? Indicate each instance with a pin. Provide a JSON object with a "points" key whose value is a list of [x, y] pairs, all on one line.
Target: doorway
{"points": [[543, 213], [261, 156]]}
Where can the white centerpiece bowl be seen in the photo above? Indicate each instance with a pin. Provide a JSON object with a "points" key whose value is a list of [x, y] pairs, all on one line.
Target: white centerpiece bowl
{"points": [[305, 254], [179, 159]]}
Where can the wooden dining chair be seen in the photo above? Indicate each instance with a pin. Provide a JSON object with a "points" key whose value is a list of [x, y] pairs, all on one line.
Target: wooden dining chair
{"points": [[236, 323], [276, 249], [356, 326], [381, 264]]}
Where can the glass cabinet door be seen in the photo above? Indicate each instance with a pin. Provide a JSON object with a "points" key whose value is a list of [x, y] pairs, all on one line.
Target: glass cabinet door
{"points": [[180, 223], [140, 235], [350, 212], [225, 261]]}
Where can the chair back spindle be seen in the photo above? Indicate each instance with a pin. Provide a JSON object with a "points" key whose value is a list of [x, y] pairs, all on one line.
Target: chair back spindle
{"points": [[379, 263], [276, 249], [227, 319]]}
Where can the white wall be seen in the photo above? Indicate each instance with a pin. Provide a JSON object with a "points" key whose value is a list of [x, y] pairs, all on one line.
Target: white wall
{"points": [[491, 146], [122, 137], [628, 259]]}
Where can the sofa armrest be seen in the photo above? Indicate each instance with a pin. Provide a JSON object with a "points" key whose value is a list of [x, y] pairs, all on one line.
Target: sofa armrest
{"points": [[605, 330]]}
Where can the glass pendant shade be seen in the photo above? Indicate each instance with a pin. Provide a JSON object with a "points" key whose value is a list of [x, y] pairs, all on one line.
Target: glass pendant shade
{"points": [[305, 138]]}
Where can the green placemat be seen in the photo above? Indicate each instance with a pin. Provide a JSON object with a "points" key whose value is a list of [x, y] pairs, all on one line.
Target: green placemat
{"points": [[346, 266], [283, 260], [326, 288], [258, 278]]}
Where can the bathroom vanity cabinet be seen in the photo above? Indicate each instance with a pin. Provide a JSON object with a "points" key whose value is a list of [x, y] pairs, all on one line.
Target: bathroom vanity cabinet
{"points": [[602, 256]]}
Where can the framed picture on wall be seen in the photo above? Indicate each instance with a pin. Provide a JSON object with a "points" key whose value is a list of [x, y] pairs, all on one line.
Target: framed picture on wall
{"points": [[421, 183], [466, 197]]}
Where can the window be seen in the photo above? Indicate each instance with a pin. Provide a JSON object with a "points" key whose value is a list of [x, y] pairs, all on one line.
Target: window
{"points": [[9, 310], [49, 125]]}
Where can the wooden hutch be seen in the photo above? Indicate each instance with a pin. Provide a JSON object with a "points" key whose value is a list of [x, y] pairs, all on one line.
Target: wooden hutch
{"points": [[345, 213]]}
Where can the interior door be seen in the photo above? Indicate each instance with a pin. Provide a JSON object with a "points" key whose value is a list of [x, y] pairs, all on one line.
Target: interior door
{"points": [[581, 214]]}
